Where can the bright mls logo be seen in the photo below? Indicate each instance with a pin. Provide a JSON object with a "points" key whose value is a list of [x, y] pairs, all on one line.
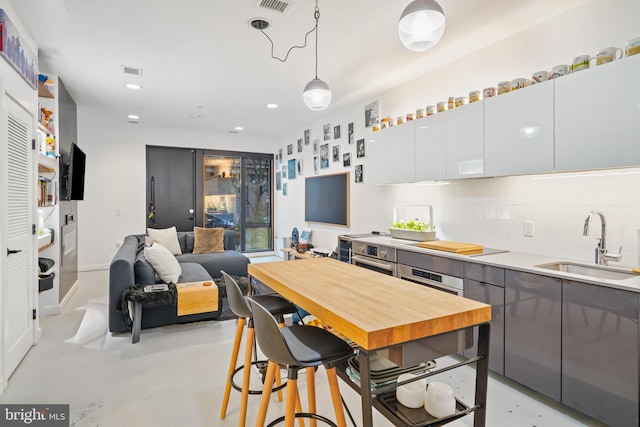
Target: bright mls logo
{"points": [[34, 415]]}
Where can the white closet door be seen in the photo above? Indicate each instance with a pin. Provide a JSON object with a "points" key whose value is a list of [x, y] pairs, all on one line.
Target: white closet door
{"points": [[17, 295]]}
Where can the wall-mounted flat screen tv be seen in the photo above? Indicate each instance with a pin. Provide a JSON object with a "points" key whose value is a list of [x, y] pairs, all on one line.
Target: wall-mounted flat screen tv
{"points": [[73, 174], [326, 199]]}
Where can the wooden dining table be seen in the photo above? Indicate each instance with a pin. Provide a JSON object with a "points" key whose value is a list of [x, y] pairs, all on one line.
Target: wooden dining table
{"points": [[377, 311]]}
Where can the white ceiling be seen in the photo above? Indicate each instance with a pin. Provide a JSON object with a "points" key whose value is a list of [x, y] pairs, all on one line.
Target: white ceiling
{"points": [[201, 57]]}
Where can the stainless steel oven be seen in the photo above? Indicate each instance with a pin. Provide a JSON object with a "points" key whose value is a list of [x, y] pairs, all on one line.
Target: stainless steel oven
{"points": [[439, 281], [374, 257], [452, 342]]}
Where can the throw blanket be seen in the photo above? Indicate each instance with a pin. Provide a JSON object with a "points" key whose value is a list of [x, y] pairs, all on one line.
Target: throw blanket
{"points": [[136, 293]]}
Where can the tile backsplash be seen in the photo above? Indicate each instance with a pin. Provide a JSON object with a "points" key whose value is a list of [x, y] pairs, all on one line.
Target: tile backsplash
{"points": [[492, 211]]}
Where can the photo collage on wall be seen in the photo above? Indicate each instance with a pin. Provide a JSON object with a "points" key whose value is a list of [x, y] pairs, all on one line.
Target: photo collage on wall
{"points": [[324, 153]]}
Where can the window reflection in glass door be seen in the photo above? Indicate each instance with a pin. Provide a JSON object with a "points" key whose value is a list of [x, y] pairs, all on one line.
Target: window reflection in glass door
{"points": [[222, 192], [237, 196]]}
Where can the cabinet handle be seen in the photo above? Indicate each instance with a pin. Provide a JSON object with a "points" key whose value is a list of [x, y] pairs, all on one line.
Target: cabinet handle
{"points": [[13, 251]]}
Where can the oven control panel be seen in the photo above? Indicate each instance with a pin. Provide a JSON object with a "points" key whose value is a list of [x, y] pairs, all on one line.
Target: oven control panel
{"points": [[374, 251]]}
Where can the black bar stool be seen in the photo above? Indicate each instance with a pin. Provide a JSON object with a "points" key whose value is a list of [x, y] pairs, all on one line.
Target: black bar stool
{"points": [[298, 347], [276, 305]]}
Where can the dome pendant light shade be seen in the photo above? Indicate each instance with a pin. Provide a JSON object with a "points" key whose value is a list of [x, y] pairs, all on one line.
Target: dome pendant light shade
{"points": [[421, 25], [317, 95]]}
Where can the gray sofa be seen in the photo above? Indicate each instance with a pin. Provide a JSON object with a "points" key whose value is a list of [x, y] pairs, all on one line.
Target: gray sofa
{"points": [[129, 267]]}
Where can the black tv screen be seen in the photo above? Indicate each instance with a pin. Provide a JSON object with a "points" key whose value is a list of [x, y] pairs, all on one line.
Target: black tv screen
{"points": [[75, 173], [326, 199]]}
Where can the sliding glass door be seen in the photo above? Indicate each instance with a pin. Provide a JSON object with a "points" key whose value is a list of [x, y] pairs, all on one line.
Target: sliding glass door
{"points": [[237, 196]]}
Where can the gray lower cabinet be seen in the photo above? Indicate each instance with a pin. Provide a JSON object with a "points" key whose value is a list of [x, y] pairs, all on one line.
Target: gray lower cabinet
{"points": [[533, 327], [494, 296], [600, 352]]}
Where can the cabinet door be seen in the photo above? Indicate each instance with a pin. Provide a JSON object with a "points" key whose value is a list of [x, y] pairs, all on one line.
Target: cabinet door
{"points": [[391, 156], [465, 141], [600, 352], [494, 296], [401, 141], [430, 159], [598, 118], [532, 328], [518, 131], [377, 157]]}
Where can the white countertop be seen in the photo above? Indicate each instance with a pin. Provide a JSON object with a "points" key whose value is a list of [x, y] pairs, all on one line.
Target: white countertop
{"points": [[515, 261]]}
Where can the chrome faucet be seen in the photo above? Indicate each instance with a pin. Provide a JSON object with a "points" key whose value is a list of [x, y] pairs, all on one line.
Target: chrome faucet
{"points": [[602, 256]]}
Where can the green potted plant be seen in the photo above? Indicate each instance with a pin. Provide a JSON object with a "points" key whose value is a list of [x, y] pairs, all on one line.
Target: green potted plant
{"points": [[413, 230]]}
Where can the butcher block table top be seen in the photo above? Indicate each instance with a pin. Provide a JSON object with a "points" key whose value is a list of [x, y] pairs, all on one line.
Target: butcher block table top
{"points": [[372, 309]]}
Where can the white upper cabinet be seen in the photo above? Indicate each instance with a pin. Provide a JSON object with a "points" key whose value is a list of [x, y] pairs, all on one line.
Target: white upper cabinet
{"points": [[377, 151], [431, 142], [401, 140], [391, 154], [598, 117], [465, 141], [518, 131]]}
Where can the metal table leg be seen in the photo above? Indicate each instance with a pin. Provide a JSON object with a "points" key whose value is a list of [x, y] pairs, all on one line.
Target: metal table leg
{"points": [[137, 322], [482, 375], [365, 388]]}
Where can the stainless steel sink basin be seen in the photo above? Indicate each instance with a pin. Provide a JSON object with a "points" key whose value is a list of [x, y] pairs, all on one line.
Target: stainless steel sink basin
{"points": [[595, 271]]}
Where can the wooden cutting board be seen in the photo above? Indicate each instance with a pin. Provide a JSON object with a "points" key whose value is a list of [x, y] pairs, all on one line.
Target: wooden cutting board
{"points": [[455, 247]]}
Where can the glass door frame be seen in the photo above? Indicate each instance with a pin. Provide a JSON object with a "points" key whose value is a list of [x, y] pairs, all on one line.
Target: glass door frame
{"points": [[200, 191]]}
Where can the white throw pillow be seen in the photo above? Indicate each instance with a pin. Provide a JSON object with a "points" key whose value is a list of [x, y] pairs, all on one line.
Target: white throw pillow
{"points": [[163, 262], [167, 237]]}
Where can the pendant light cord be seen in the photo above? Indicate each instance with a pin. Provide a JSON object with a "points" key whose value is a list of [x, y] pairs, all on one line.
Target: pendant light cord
{"points": [[316, 16]]}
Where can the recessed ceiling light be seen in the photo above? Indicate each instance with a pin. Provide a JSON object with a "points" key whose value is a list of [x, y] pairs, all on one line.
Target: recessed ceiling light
{"points": [[133, 117], [196, 116], [134, 86], [272, 106], [239, 128]]}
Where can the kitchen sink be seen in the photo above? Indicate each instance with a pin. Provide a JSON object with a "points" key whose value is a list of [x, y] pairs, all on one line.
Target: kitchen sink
{"points": [[595, 271]]}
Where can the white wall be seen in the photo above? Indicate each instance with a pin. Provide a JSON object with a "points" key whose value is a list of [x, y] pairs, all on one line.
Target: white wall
{"points": [[490, 211], [115, 202]]}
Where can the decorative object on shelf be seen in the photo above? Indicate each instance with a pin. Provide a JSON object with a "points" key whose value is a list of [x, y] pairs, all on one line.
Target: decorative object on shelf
{"points": [[421, 25], [317, 94], [17, 52], [632, 46]]}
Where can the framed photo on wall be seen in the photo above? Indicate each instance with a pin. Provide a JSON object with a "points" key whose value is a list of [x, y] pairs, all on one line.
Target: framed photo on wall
{"points": [[300, 145], [299, 166], [307, 136], [371, 114], [278, 180], [359, 173], [290, 149], [350, 133], [324, 156], [327, 131], [336, 132], [292, 169], [315, 165], [360, 150], [346, 159], [335, 150]]}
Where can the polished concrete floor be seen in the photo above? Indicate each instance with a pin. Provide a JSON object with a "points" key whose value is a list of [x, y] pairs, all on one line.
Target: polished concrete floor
{"points": [[175, 375]]}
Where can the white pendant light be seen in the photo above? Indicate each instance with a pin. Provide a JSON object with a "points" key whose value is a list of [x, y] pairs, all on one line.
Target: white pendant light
{"points": [[421, 25], [317, 95]]}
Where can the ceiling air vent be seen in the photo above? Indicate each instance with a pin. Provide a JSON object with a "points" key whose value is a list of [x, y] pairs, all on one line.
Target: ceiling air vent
{"points": [[275, 5], [133, 71]]}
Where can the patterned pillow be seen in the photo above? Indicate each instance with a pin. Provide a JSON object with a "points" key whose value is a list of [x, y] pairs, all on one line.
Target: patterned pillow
{"points": [[208, 240]]}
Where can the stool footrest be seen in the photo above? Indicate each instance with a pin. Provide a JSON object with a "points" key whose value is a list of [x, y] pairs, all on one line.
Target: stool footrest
{"points": [[262, 368], [305, 415]]}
